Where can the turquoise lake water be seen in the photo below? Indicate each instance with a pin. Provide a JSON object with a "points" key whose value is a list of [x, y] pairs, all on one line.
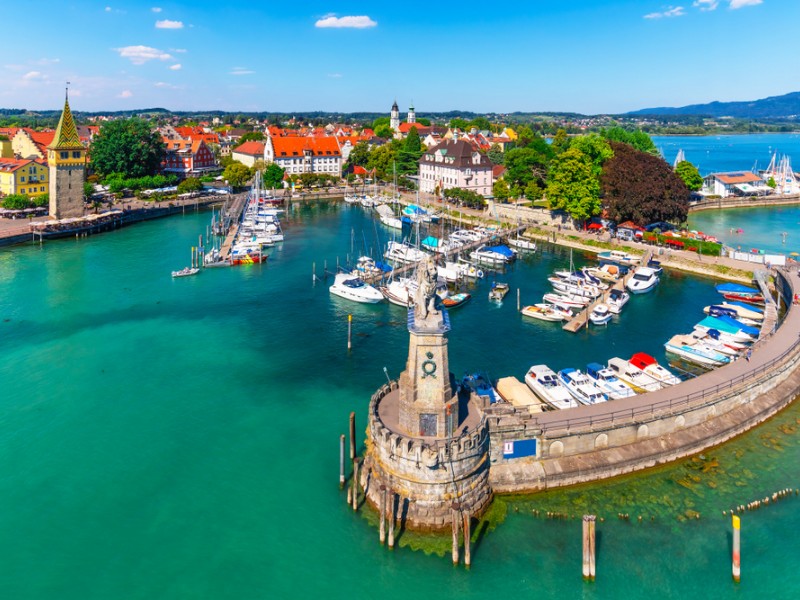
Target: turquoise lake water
{"points": [[170, 438]]}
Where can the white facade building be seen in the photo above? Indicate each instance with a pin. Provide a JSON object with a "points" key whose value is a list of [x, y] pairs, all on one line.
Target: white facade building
{"points": [[455, 163], [298, 155]]}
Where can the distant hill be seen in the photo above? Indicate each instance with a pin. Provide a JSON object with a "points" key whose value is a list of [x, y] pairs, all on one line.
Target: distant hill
{"points": [[775, 107]]}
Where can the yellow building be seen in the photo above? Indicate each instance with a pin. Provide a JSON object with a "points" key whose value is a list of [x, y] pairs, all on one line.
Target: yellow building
{"points": [[23, 176]]}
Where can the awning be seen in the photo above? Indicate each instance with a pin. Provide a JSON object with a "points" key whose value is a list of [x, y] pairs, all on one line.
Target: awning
{"points": [[594, 226], [746, 188]]}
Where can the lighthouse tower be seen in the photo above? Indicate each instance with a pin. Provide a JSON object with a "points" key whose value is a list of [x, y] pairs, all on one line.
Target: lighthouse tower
{"points": [[394, 117], [66, 158]]}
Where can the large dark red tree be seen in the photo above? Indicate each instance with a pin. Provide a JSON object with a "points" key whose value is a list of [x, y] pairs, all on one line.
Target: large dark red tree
{"points": [[642, 188]]}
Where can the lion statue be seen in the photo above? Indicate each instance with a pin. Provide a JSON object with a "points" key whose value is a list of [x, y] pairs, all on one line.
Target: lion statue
{"points": [[425, 296]]}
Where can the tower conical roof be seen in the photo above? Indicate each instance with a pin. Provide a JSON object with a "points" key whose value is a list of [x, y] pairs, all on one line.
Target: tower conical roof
{"points": [[66, 135], [394, 106]]}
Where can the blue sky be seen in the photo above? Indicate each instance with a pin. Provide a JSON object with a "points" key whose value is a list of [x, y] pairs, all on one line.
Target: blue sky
{"points": [[587, 56]]}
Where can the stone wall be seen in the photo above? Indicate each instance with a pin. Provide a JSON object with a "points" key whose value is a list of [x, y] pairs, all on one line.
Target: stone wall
{"points": [[428, 475]]}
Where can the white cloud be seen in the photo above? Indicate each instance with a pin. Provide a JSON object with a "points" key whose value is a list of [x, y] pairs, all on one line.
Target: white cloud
{"points": [[125, 94], [335, 75], [178, 50], [47, 61], [241, 71], [706, 5], [139, 55], [108, 9], [32, 76], [676, 11], [167, 24], [332, 21], [742, 3], [176, 67], [156, 9]]}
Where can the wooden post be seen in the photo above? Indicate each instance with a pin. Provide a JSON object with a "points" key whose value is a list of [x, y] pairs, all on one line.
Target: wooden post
{"points": [[391, 519], [313, 272], [454, 517], [341, 461], [352, 435], [518, 303], [349, 332], [588, 547], [382, 509], [737, 566], [467, 526], [355, 483]]}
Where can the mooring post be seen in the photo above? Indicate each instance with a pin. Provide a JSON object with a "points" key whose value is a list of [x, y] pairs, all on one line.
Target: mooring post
{"points": [[352, 435], [313, 272], [518, 303], [737, 566], [341, 461], [592, 521], [391, 519], [467, 541], [349, 332], [588, 547], [355, 483], [454, 517], [382, 509]]}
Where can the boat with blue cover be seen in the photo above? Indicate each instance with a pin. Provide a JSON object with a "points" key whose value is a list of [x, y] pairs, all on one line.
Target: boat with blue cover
{"points": [[611, 385], [694, 351], [494, 255], [480, 384], [740, 293], [581, 387]]}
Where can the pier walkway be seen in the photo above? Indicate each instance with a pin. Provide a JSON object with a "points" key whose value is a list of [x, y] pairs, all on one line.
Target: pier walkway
{"points": [[231, 217], [761, 277]]}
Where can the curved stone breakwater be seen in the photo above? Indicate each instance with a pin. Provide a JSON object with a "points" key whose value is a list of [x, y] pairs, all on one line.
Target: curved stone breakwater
{"points": [[513, 451]]}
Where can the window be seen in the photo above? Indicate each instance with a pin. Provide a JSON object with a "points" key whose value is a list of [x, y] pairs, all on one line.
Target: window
{"points": [[76, 154], [22, 179], [64, 154]]}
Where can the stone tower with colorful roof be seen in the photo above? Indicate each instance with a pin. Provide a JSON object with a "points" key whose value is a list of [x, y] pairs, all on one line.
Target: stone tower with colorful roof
{"points": [[66, 158]]}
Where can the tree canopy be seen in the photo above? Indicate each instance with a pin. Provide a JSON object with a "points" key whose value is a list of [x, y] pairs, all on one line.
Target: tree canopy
{"points": [[495, 154], [524, 165], [273, 177], [384, 131], [642, 188], [190, 184], [409, 154], [257, 136], [127, 146], [636, 138], [359, 155], [237, 174], [573, 185], [690, 175]]}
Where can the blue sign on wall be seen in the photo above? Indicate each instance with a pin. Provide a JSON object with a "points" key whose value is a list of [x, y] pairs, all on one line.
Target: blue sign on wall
{"points": [[519, 448]]}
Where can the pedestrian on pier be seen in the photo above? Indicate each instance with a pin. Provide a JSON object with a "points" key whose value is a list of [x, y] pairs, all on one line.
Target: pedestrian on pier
{"points": [[749, 354]]}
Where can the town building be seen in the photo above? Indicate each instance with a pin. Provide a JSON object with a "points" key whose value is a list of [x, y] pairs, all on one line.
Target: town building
{"points": [[249, 152], [66, 158], [23, 176], [28, 143], [297, 155], [455, 164], [187, 157], [735, 183]]}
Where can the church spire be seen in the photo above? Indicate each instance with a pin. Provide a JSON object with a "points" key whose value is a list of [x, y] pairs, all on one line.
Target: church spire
{"points": [[66, 136]]}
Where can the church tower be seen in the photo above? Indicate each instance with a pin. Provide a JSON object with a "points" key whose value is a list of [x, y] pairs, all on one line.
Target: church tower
{"points": [[412, 116], [394, 118], [66, 158]]}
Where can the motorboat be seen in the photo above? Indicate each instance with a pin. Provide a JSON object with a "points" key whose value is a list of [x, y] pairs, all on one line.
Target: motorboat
{"points": [[579, 289], [740, 293], [608, 272], [246, 256], [498, 291], [696, 352], [481, 385], [545, 312], [567, 300], [655, 265], [522, 244], [727, 330], [712, 339], [456, 300], [493, 255], [399, 291], [450, 272], [600, 315], [387, 217], [716, 310], [650, 365], [633, 375], [186, 271], [611, 385], [619, 257], [581, 387], [617, 299], [470, 270], [367, 266], [403, 253], [644, 280], [351, 287], [466, 236], [747, 311], [545, 384]]}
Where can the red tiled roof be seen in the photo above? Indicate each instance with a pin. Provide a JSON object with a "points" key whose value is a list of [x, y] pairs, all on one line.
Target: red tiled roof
{"points": [[629, 225], [9, 165], [421, 129], [251, 148], [359, 170], [734, 178], [497, 171], [296, 146]]}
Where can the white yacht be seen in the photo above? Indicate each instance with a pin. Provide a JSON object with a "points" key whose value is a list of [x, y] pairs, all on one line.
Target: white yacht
{"points": [[694, 351], [352, 287], [546, 385], [403, 253], [633, 376], [650, 365], [611, 385], [600, 314], [616, 300], [644, 280], [581, 387]]}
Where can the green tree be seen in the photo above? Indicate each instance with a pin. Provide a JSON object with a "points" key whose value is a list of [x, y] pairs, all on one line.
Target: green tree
{"points": [[772, 183], [380, 121], [41, 200], [381, 159], [573, 186], [189, 185], [408, 154], [384, 131], [560, 141], [595, 148], [459, 123], [273, 177], [495, 154], [500, 190], [359, 155], [236, 174], [636, 138], [690, 175], [256, 136], [522, 166], [642, 188], [16, 202], [412, 141], [525, 136], [88, 190], [423, 121], [127, 146]]}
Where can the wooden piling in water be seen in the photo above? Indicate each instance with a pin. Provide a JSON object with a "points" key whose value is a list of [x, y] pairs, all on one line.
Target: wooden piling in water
{"points": [[341, 461], [455, 517], [391, 519], [737, 566], [588, 547], [349, 332], [467, 541], [352, 435], [355, 483], [382, 510]]}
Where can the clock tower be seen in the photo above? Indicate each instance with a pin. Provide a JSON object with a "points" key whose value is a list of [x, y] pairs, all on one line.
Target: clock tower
{"points": [[66, 158]]}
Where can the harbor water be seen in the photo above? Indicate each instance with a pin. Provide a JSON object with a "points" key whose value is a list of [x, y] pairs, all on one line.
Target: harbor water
{"points": [[178, 438]]}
